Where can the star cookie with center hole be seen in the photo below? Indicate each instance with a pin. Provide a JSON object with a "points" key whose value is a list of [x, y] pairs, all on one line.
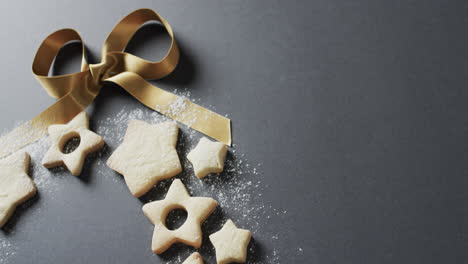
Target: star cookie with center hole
{"points": [[207, 157], [195, 258], [89, 142], [16, 187], [190, 233], [147, 155], [231, 243]]}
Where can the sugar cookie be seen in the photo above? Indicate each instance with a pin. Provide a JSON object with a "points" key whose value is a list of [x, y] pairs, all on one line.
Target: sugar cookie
{"points": [[198, 209], [16, 187], [60, 134], [230, 243], [147, 155], [207, 157], [195, 258]]}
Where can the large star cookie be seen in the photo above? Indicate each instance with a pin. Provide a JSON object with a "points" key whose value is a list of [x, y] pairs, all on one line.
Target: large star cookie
{"points": [[198, 209], [207, 157], [15, 184], [61, 134], [195, 258], [231, 243], [147, 155]]}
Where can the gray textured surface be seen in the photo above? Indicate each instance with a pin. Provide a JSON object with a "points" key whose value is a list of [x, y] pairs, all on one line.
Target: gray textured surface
{"points": [[357, 110]]}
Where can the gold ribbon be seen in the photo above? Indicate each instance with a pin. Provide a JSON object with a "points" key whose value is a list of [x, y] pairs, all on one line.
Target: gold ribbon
{"points": [[77, 90]]}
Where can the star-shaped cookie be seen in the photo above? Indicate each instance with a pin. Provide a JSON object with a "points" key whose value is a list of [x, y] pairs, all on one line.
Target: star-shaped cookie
{"points": [[207, 157], [198, 209], [61, 134], [15, 185], [147, 155], [231, 243], [195, 258]]}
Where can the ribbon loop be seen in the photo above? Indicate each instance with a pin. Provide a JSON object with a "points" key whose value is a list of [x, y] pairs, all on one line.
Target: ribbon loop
{"points": [[121, 35], [77, 90], [58, 86]]}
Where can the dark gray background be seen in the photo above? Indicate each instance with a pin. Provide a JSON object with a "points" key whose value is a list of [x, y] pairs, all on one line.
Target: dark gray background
{"points": [[357, 110]]}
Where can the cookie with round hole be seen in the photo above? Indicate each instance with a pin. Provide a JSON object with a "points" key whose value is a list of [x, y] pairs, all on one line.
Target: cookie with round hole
{"points": [[58, 154]]}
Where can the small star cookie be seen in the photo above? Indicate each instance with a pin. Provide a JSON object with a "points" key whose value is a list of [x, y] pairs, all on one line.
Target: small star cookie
{"points": [[207, 157], [198, 209], [147, 155], [195, 258], [16, 187], [231, 243], [61, 134]]}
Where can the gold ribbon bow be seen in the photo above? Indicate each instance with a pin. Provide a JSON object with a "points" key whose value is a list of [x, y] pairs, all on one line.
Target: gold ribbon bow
{"points": [[77, 90]]}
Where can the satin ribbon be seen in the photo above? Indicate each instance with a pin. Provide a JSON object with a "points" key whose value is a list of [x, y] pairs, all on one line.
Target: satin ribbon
{"points": [[77, 90]]}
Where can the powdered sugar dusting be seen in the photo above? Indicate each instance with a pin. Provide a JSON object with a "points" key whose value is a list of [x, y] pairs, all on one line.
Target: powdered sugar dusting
{"points": [[7, 251], [238, 189], [177, 106]]}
